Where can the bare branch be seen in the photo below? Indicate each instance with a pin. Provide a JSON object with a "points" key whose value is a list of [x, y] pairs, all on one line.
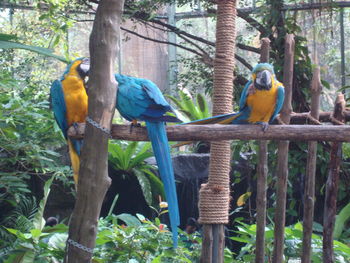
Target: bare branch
{"points": [[217, 132]]}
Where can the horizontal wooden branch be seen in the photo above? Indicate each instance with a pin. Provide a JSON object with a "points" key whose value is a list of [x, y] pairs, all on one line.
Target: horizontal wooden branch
{"points": [[217, 132], [301, 118]]}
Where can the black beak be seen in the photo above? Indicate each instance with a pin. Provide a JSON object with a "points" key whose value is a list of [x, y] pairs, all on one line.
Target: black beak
{"points": [[84, 67], [263, 80]]}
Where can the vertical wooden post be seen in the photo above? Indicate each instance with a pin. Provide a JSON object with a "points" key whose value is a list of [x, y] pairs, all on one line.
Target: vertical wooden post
{"points": [[93, 180], [330, 204], [214, 196], [262, 178], [309, 196], [282, 159]]}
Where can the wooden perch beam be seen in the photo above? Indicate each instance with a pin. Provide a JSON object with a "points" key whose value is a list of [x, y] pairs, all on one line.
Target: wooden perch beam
{"points": [[217, 132], [304, 117]]}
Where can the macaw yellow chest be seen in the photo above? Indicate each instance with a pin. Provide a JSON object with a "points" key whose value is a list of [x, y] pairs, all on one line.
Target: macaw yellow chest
{"points": [[262, 104], [76, 99]]}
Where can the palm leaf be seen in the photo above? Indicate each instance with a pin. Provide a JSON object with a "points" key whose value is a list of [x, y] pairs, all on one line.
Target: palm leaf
{"points": [[145, 185], [189, 106], [6, 37], [177, 102], [341, 220], [39, 221], [5, 44], [203, 106], [156, 183]]}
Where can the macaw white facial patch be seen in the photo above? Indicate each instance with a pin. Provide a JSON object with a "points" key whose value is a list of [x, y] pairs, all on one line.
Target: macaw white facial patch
{"points": [[263, 78]]}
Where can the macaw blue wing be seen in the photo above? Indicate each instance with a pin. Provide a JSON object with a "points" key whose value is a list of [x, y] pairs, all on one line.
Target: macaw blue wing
{"points": [[279, 102], [154, 93], [244, 95], [58, 105], [131, 99], [141, 99]]}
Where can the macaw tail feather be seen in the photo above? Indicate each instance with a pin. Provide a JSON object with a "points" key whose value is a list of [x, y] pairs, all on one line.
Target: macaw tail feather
{"points": [[219, 119], [74, 158], [159, 140]]}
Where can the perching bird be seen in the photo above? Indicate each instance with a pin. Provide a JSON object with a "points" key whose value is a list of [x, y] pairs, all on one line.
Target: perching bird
{"points": [[261, 100], [141, 99], [69, 102]]}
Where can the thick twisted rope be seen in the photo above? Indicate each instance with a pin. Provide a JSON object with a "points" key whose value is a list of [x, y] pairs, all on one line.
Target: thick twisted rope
{"points": [[214, 196]]}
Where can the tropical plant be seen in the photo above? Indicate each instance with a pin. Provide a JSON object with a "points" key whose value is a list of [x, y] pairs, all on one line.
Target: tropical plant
{"points": [[293, 243], [128, 158], [28, 233], [341, 231], [193, 110], [8, 41], [120, 238]]}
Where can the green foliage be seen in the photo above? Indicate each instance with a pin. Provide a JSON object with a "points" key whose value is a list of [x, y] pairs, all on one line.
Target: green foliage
{"points": [[142, 240], [29, 237], [293, 243], [128, 158], [195, 75], [5, 43], [341, 231], [193, 110], [136, 239]]}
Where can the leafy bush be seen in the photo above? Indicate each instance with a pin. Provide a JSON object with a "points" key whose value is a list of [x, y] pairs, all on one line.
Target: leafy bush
{"points": [[137, 239], [128, 158], [193, 110], [293, 243]]}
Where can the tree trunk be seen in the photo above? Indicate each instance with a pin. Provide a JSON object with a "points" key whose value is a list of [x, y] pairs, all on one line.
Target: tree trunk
{"points": [[330, 203], [93, 180], [214, 196], [282, 159], [262, 178], [309, 196]]}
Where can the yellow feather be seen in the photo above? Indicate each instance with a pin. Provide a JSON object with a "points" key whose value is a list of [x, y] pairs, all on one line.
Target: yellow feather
{"points": [[76, 106], [75, 160], [262, 103], [75, 96]]}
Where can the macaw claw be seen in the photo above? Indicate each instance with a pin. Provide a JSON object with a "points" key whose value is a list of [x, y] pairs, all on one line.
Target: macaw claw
{"points": [[134, 123], [264, 126], [76, 127]]}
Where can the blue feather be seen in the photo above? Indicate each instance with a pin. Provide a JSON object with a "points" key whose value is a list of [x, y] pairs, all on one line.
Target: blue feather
{"points": [[141, 99], [58, 105], [244, 95], [279, 102], [158, 137]]}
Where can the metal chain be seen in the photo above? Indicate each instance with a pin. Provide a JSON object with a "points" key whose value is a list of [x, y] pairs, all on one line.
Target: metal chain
{"points": [[98, 126], [80, 246]]}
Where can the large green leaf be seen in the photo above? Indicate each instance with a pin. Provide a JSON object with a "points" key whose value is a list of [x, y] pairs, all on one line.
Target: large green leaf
{"points": [[5, 44], [6, 37], [130, 220], [341, 220], [145, 185], [156, 183], [38, 221], [203, 106]]}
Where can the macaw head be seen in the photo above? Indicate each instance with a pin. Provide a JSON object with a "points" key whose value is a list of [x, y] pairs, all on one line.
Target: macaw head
{"points": [[84, 67], [262, 76]]}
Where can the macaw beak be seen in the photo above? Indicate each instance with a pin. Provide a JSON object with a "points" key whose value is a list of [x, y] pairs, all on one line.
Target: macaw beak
{"points": [[263, 80], [84, 67]]}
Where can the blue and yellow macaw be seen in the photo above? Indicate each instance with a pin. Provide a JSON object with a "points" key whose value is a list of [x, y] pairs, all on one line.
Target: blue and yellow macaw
{"points": [[261, 100], [69, 102], [141, 99]]}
